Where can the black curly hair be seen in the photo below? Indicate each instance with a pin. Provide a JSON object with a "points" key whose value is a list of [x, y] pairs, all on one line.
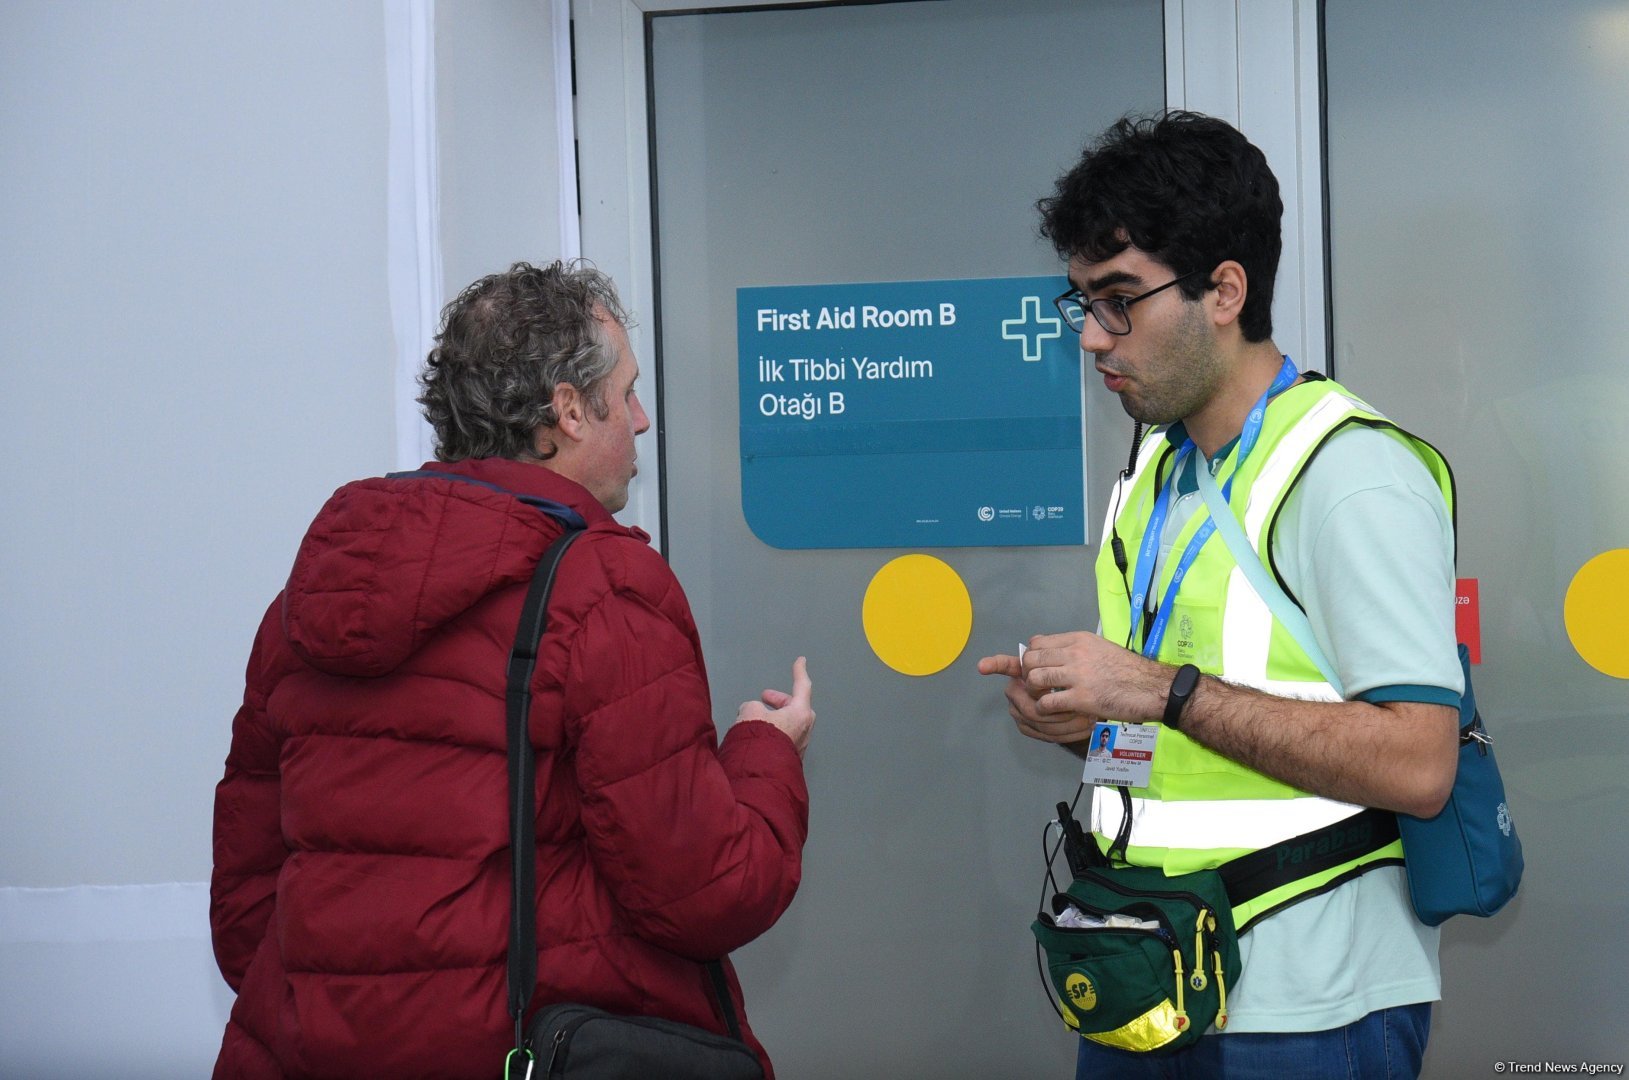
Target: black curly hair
{"points": [[1187, 189]]}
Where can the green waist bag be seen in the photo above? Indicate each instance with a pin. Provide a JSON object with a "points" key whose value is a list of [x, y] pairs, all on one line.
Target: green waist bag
{"points": [[1141, 961]]}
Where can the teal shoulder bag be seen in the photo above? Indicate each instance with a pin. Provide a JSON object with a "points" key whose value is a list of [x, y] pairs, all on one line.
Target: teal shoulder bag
{"points": [[1466, 860]]}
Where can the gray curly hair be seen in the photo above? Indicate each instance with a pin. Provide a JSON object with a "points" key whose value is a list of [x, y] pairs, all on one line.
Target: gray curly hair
{"points": [[505, 344]]}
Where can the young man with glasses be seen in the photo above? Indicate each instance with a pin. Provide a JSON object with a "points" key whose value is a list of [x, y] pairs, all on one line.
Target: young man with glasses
{"points": [[1170, 226]]}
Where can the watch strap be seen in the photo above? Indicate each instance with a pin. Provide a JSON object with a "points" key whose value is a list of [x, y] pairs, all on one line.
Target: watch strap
{"points": [[1182, 687]]}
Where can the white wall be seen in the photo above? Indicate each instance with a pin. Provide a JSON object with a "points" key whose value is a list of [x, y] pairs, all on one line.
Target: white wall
{"points": [[196, 343], [197, 348], [496, 103]]}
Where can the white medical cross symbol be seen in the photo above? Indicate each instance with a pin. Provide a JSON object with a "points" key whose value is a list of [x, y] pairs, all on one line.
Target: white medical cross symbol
{"points": [[1030, 312]]}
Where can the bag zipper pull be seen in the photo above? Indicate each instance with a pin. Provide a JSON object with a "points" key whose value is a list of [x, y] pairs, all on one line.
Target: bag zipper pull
{"points": [[1221, 989], [559, 1040], [1181, 1009], [1199, 981]]}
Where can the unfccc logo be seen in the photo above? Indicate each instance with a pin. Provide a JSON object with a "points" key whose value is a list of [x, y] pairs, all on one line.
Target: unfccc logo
{"points": [[986, 513]]}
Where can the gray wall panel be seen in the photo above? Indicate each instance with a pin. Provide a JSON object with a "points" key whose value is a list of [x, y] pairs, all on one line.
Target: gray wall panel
{"points": [[1477, 228]]}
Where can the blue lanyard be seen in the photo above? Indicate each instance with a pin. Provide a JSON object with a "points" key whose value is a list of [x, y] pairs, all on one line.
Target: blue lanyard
{"points": [[1146, 558]]}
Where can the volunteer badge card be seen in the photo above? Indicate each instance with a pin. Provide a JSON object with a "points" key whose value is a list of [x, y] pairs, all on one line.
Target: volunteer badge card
{"points": [[1120, 755]]}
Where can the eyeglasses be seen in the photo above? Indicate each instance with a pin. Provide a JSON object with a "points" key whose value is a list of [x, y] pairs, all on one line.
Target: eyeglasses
{"points": [[1109, 311]]}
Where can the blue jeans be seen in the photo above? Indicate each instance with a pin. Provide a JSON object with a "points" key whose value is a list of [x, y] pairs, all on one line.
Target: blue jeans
{"points": [[1385, 1045]]}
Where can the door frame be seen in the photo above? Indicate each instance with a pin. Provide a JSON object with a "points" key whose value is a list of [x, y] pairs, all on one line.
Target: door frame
{"points": [[1254, 63]]}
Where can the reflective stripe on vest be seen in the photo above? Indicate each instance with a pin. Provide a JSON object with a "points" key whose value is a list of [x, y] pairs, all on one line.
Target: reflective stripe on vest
{"points": [[1247, 621], [1236, 824]]}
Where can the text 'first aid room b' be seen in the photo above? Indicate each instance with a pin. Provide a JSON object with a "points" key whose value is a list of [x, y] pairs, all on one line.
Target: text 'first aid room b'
{"points": [[910, 414]]}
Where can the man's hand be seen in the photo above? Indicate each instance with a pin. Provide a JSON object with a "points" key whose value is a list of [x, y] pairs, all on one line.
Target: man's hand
{"points": [[1023, 704], [793, 713], [1084, 675], [1067, 683]]}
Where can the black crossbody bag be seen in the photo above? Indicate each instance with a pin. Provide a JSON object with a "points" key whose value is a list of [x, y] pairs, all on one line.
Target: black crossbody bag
{"points": [[574, 1041]]}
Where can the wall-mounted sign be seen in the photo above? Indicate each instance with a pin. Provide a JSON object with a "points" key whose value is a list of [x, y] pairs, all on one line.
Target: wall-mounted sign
{"points": [[910, 414], [1468, 616]]}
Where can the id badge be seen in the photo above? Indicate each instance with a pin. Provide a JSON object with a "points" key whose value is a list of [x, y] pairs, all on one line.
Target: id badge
{"points": [[1120, 755]]}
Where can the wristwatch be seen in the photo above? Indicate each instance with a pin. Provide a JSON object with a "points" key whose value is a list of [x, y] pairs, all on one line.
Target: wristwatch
{"points": [[1187, 677]]}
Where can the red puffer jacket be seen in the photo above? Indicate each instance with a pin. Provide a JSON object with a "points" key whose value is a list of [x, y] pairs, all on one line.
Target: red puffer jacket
{"points": [[360, 901]]}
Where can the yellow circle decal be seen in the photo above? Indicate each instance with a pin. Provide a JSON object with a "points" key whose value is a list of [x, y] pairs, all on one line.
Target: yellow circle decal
{"points": [[1596, 600], [1082, 994], [917, 615]]}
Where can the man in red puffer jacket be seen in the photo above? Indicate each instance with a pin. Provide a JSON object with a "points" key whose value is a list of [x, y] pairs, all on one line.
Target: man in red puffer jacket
{"points": [[360, 899]]}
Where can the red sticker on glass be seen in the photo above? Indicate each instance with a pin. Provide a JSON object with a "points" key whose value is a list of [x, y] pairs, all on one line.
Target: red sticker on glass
{"points": [[1468, 616]]}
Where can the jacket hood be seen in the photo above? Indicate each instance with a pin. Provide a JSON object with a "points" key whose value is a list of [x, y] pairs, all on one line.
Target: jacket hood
{"points": [[390, 560]]}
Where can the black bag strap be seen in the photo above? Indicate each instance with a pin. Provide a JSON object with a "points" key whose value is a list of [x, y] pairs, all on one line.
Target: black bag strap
{"points": [[721, 990], [522, 778], [522, 774], [1260, 872]]}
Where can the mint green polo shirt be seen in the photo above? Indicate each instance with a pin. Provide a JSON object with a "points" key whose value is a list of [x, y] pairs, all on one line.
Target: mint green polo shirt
{"points": [[1366, 544]]}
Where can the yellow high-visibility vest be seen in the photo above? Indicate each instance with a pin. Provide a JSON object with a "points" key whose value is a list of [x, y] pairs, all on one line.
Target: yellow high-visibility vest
{"points": [[1201, 809]]}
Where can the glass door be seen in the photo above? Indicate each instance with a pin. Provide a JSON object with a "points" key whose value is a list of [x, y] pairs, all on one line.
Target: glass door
{"points": [[1477, 228], [883, 144]]}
